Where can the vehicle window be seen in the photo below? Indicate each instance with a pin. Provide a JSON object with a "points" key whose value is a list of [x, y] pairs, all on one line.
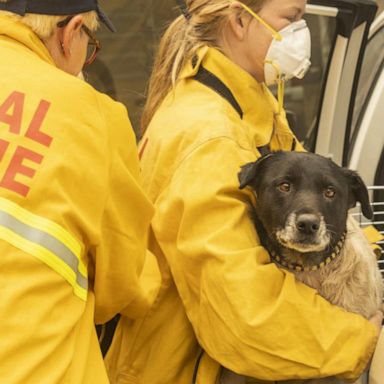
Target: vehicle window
{"points": [[302, 97], [123, 66], [373, 63]]}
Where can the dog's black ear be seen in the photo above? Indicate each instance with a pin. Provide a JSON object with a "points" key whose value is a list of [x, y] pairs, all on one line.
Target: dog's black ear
{"points": [[358, 192], [247, 174], [249, 171]]}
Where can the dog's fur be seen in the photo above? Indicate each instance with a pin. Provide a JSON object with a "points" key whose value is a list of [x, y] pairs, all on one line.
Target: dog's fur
{"points": [[301, 213]]}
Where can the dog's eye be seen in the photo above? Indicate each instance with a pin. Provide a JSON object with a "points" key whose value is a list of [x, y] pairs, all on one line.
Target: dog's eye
{"points": [[329, 193], [284, 187]]}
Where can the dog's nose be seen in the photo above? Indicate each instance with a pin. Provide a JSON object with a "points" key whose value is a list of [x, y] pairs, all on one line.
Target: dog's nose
{"points": [[308, 223]]}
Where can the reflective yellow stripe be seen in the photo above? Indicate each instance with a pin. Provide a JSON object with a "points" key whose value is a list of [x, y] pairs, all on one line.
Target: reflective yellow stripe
{"points": [[45, 240], [47, 226]]}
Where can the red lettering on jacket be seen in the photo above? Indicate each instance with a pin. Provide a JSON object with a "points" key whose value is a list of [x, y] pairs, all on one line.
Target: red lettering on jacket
{"points": [[15, 101], [3, 148], [16, 167], [33, 131]]}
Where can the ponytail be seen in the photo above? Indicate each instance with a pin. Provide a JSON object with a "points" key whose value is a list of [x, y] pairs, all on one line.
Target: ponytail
{"points": [[171, 56], [183, 38]]}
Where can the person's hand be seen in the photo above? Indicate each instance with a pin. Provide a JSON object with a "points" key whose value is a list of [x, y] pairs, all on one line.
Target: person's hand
{"points": [[377, 320]]}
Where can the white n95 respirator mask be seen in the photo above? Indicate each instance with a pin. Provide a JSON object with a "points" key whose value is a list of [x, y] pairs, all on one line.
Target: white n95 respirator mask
{"points": [[289, 53], [288, 56]]}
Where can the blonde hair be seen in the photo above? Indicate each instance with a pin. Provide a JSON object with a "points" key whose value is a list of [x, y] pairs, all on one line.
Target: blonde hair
{"points": [[181, 41], [45, 25]]}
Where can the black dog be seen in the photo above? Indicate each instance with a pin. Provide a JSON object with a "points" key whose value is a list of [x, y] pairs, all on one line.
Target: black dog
{"points": [[301, 215], [302, 204]]}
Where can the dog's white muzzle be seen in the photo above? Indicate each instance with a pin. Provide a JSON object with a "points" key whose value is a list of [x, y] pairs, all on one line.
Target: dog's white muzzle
{"points": [[293, 238]]}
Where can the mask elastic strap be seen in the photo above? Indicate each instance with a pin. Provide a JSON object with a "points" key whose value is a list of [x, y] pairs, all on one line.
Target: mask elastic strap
{"points": [[280, 93], [280, 85], [276, 35]]}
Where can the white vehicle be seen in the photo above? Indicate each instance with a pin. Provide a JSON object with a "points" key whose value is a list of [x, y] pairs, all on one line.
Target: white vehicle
{"points": [[367, 142]]}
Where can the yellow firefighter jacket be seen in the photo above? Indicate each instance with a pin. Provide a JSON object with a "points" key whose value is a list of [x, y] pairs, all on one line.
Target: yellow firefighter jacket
{"points": [[219, 289], [73, 218]]}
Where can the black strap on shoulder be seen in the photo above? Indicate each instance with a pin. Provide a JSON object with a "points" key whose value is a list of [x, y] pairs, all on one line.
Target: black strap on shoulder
{"points": [[197, 366], [210, 80], [264, 150]]}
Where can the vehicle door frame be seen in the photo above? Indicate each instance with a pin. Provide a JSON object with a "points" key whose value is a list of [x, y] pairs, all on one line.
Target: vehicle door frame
{"points": [[334, 119]]}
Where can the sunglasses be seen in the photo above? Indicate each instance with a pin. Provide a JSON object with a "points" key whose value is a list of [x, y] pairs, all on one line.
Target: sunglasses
{"points": [[94, 44]]}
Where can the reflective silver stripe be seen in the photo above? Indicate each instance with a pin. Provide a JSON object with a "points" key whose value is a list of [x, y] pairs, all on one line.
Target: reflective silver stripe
{"points": [[47, 241]]}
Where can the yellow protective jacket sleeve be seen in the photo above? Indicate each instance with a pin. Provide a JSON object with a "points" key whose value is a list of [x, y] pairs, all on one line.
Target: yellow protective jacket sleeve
{"points": [[119, 254], [219, 291], [73, 217]]}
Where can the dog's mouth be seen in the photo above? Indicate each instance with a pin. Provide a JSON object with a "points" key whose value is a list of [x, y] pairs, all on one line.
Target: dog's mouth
{"points": [[303, 246], [304, 233]]}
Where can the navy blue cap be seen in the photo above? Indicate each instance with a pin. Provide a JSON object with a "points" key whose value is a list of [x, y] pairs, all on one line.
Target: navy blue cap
{"points": [[56, 8]]}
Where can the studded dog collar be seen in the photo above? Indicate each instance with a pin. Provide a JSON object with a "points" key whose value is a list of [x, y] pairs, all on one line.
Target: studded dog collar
{"points": [[283, 262]]}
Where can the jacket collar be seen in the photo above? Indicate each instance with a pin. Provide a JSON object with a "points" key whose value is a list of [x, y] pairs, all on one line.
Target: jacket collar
{"points": [[251, 95], [13, 30]]}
